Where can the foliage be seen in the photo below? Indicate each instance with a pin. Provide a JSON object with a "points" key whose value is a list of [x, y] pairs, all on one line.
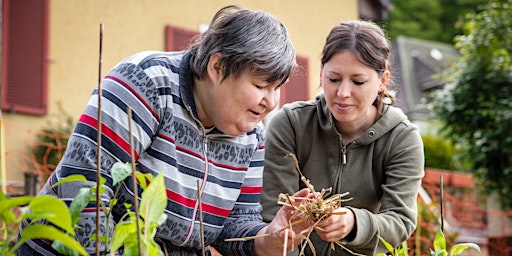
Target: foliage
{"points": [[439, 152], [440, 248], [435, 20], [152, 206], [61, 221], [475, 106], [50, 144], [33, 209], [419, 19]]}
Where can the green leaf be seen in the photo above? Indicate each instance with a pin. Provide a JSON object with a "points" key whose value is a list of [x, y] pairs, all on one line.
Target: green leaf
{"points": [[123, 231], [120, 171], [439, 240], [7, 204], [63, 249], [142, 178], [459, 248], [71, 178], [388, 245], [154, 200], [438, 253], [82, 198], [52, 209], [36, 231]]}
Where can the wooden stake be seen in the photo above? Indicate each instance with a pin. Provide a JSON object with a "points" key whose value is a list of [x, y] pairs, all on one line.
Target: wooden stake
{"points": [[442, 202], [98, 155], [200, 207], [134, 180]]}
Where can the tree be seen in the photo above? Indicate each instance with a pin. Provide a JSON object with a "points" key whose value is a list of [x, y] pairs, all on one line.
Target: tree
{"points": [[434, 20], [475, 106]]}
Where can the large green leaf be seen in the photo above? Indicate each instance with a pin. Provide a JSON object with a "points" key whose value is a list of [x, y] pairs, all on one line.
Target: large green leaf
{"points": [[154, 200], [122, 232], [459, 248], [53, 210], [48, 232], [82, 198], [7, 204], [439, 241]]}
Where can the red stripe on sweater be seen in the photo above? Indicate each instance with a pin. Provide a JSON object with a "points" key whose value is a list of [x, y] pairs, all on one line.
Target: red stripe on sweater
{"points": [[251, 190], [105, 130], [191, 203]]}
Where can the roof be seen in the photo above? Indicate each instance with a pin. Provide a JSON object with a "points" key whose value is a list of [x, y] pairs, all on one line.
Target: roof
{"points": [[416, 64]]}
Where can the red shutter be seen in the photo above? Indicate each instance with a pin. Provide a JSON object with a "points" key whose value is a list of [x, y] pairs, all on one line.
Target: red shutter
{"points": [[177, 39], [24, 54], [297, 88]]}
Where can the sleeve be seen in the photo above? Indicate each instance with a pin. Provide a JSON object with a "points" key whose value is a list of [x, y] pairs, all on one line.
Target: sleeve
{"points": [[397, 217], [126, 86], [245, 218], [280, 173]]}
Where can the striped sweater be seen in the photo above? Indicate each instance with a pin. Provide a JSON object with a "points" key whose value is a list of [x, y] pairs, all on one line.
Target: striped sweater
{"points": [[168, 139]]}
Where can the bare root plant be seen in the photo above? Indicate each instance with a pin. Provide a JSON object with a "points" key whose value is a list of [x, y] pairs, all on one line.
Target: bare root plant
{"points": [[311, 209]]}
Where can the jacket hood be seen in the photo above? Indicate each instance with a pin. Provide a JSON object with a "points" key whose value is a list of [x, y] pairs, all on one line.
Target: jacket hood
{"points": [[389, 119]]}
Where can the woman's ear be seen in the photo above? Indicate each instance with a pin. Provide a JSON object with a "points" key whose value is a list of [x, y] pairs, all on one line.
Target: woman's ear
{"points": [[384, 79], [213, 68]]}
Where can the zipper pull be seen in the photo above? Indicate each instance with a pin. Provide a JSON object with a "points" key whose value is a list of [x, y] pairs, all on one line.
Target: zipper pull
{"points": [[344, 155]]}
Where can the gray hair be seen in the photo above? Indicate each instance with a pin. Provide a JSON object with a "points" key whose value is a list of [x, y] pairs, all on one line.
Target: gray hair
{"points": [[248, 41]]}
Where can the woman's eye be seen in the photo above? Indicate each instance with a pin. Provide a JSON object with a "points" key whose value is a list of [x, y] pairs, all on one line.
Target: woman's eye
{"points": [[358, 83], [334, 80]]}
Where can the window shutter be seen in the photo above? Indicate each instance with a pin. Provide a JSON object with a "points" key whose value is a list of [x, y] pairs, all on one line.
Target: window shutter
{"points": [[177, 39], [24, 54], [298, 87]]}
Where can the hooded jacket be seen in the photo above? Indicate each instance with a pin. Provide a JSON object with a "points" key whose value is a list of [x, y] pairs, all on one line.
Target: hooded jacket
{"points": [[381, 169]]}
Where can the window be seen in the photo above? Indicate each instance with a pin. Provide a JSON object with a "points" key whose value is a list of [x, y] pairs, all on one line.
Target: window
{"points": [[24, 55], [177, 39], [298, 86]]}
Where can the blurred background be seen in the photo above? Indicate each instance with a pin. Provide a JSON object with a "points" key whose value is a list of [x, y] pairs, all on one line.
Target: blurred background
{"points": [[50, 65]]}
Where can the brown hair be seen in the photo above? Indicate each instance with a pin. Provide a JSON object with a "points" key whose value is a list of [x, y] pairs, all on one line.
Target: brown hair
{"points": [[368, 43]]}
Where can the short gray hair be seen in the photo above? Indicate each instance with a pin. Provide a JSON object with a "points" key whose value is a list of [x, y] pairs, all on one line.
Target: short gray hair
{"points": [[248, 41]]}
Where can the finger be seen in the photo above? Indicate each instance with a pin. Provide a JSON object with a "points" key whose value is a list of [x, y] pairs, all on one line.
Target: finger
{"points": [[303, 192]]}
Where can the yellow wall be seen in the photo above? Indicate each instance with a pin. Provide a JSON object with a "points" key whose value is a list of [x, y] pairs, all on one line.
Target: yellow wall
{"points": [[135, 25]]}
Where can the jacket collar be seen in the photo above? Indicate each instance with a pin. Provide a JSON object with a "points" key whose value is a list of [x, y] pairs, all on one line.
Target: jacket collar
{"points": [[186, 85]]}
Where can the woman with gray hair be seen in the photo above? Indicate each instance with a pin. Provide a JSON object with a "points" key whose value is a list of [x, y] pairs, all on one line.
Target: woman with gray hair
{"points": [[197, 117]]}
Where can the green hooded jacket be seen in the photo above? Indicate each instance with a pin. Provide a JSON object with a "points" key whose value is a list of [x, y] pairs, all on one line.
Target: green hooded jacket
{"points": [[381, 169]]}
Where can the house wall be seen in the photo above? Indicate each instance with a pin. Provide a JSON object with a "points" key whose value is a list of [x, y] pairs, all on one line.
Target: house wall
{"points": [[136, 25]]}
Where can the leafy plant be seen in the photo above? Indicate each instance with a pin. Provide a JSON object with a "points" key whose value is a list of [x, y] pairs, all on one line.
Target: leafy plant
{"points": [[439, 153], [440, 248], [60, 221], [152, 206], [35, 209], [49, 146], [475, 105]]}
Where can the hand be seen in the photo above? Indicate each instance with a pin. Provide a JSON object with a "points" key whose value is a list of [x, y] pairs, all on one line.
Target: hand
{"points": [[336, 227], [273, 244]]}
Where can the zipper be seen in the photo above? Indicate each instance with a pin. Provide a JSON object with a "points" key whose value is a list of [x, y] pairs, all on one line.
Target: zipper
{"points": [[343, 155]]}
